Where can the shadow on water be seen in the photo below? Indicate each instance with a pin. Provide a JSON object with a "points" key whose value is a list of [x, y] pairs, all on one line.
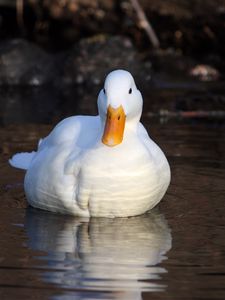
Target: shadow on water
{"points": [[119, 256]]}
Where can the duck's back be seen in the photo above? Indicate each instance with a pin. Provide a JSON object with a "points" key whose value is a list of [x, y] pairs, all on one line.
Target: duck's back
{"points": [[79, 130]]}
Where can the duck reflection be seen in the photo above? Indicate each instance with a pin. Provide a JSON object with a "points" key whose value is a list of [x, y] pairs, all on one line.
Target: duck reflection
{"points": [[119, 255]]}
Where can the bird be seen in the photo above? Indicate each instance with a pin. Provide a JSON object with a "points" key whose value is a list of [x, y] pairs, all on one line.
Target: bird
{"points": [[98, 166]]}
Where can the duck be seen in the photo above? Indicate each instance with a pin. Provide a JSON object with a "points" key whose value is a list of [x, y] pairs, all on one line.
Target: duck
{"points": [[98, 166]]}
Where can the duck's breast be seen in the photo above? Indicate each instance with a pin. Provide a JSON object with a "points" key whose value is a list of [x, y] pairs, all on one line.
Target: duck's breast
{"points": [[120, 181]]}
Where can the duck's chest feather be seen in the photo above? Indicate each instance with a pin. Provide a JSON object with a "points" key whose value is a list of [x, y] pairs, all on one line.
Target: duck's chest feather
{"points": [[127, 160], [119, 180]]}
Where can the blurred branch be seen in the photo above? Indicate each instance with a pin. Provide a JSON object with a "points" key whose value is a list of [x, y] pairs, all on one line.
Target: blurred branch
{"points": [[145, 24], [19, 13]]}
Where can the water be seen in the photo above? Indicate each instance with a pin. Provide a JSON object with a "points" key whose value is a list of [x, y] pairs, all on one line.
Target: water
{"points": [[177, 251]]}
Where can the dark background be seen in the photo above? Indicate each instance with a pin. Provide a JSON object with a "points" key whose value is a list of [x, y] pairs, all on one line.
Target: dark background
{"points": [[54, 56]]}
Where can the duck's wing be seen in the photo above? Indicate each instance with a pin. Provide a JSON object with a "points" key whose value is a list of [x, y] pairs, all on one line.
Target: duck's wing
{"points": [[81, 131]]}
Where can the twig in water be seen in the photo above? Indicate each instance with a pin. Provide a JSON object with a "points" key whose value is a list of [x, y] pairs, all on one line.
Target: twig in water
{"points": [[193, 114], [145, 24]]}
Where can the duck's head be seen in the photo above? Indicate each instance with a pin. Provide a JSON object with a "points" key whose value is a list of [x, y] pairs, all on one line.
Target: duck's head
{"points": [[119, 105]]}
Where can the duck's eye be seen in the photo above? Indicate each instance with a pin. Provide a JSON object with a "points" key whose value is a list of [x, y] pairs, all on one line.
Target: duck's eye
{"points": [[130, 90], [104, 91]]}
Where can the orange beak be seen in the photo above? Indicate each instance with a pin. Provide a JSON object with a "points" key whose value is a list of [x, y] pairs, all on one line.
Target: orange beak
{"points": [[114, 126]]}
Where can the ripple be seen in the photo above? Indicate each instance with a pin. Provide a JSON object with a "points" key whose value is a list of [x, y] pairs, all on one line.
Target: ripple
{"points": [[117, 255]]}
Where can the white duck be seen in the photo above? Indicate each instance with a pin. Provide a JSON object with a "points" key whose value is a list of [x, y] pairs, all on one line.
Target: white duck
{"points": [[102, 166]]}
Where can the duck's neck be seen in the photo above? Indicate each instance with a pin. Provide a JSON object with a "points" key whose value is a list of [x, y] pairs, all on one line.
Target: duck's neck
{"points": [[131, 125]]}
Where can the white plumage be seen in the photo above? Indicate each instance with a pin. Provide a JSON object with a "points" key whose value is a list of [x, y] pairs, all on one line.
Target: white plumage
{"points": [[91, 166]]}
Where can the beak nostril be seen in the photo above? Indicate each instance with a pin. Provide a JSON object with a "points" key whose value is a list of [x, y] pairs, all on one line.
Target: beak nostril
{"points": [[118, 118]]}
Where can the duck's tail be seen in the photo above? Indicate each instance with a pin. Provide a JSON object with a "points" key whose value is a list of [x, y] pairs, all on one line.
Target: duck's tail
{"points": [[22, 160]]}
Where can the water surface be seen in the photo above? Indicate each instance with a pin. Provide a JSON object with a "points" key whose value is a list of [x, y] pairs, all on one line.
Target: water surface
{"points": [[177, 251]]}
